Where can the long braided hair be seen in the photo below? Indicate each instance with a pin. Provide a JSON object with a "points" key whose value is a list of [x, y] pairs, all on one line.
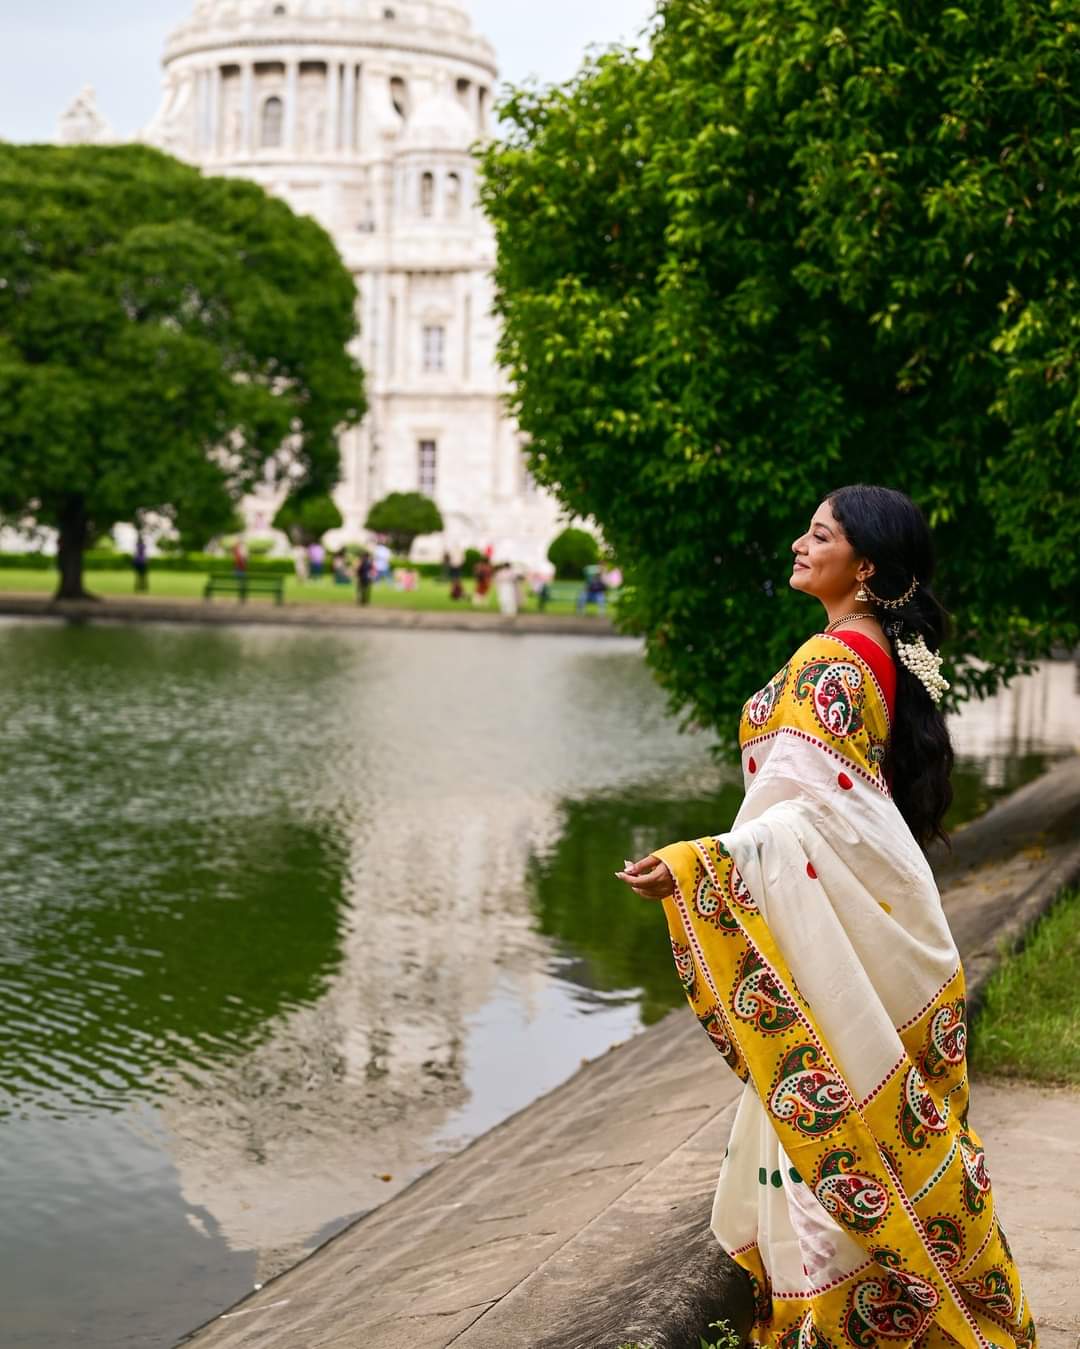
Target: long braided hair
{"points": [[888, 529]]}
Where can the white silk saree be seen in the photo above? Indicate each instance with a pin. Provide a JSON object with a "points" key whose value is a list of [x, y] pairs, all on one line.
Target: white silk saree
{"points": [[812, 945]]}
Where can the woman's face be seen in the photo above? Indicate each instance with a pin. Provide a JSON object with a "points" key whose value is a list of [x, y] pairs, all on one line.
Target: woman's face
{"points": [[826, 565]]}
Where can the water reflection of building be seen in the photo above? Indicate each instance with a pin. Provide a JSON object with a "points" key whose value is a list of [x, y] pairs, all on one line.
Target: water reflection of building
{"points": [[300, 1132], [361, 114], [1034, 715]]}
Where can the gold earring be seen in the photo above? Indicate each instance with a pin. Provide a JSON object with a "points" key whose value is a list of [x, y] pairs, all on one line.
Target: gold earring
{"points": [[862, 594]]}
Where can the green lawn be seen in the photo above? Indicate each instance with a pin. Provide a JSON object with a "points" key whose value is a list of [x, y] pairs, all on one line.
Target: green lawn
{"points": [[1029, 1025], [431, 594]]}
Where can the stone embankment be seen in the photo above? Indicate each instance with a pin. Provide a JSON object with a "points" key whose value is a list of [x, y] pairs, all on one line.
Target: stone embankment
{"points": [[582, 1222], [147, 609]]}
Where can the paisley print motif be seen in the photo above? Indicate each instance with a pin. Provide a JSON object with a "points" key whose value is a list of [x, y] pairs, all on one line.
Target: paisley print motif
{"points": [[684, 967], [892, 1306], [946, 1042], [737, 891], [993, 1291], [761, 706], [920, 1116], [758, 998], [857, 1202], [708, 901], [838, 694], [808, 1096], [946, 1241], [976, 1181], [805, 1335], [712, 1022]]}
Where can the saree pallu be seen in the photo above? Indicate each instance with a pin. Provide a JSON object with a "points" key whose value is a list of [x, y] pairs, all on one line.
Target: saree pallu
{"points": [[812, 946]]}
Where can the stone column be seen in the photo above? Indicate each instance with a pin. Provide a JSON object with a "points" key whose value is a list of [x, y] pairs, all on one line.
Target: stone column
{"points": [[333, 104], [215, 112], [247, 106], [292, 96], [348, 140]]}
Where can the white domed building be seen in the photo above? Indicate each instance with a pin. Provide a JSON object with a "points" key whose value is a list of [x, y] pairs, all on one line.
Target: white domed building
{"points": [[362, 113]]}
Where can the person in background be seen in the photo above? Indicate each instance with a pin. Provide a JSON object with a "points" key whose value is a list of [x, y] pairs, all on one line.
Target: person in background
{"points": [[239, 558], [316, 560], [383, 570], [300, 562], [340, 566], [141, 563], [365, 574], [540, 584], [482, 574], [506, 589], [455, 561], [593, 591]]}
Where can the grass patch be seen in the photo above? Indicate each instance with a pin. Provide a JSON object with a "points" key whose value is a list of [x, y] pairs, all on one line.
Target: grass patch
{"points": [[431, 595], [1029, 1024], [726, 1338]]}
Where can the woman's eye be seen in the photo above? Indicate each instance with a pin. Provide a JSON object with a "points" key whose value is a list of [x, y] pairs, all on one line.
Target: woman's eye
{"points": [[821, 538]]}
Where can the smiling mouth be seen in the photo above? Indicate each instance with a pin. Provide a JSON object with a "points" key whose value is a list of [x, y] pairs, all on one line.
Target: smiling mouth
{"points": [[799, 566]]}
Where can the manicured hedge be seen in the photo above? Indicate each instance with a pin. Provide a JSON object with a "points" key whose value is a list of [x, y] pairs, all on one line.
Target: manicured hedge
{"points": [[100, 560]]}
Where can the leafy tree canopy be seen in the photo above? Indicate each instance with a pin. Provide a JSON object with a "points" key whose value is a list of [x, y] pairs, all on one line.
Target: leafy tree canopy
{"points": [[572, 551], [307, 516], [797, 246], [165, 340], [403, 517]]}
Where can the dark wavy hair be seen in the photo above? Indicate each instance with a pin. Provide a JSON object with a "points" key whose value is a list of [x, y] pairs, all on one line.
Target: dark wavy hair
{"points": [[886, 528]]}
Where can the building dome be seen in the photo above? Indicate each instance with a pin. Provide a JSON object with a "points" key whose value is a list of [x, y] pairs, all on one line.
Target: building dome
{"points": [[427, 13]]}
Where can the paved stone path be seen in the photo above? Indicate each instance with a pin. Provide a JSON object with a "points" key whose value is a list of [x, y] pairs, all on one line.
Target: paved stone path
{"points": [[589, 1209], [148, 609]]}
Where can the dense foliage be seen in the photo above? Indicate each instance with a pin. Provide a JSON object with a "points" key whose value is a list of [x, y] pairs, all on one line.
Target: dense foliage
{"points": [[307, 516], [166, 339], [403, 517], [572, 551], [797, 246]]}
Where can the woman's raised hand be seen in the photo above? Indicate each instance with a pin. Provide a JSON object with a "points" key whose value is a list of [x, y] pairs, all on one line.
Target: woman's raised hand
{"points": [[649, 878]]}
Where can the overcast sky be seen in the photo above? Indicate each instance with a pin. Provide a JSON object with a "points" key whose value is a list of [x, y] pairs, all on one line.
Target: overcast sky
{"points": [[50, 48]]}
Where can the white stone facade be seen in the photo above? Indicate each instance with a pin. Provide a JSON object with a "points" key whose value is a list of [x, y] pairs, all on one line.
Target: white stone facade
{"points": [[361, 113]]}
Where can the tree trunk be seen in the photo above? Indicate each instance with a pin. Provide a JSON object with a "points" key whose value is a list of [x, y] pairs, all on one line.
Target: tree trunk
{"points": [[74, 538]]}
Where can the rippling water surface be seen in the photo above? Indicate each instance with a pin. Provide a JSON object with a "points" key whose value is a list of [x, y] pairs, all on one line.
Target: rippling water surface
{"points": [[285, 916]]}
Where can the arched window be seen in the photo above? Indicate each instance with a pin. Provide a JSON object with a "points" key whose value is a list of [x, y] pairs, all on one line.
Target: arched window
{"points": [[427, 194], [273, 121], [453, 194], [399, 96]]}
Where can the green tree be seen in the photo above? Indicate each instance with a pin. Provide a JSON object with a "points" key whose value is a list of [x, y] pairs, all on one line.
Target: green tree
{"points": [[403, 517], [792, 247], [572, 551], [165, 340], [307, 516]]}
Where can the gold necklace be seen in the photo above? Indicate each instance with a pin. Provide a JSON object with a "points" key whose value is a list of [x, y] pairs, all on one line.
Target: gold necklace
{"points": [[848, 618]]}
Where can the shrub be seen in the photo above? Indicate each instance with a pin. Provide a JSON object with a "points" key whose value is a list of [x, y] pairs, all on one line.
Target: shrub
{"points": [[306, 517], [571, 552], [403, 517]]}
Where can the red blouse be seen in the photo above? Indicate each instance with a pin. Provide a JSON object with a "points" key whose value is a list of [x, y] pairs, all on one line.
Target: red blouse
{"points": [[879, 661]]}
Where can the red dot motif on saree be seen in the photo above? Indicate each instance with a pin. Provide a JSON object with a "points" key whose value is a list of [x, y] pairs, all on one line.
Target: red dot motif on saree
{"points": [[810, 871], [844, 781]]}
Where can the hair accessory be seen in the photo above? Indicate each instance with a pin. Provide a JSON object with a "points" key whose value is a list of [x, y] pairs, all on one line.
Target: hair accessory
{"points": [[865, 593], [924, 664]]}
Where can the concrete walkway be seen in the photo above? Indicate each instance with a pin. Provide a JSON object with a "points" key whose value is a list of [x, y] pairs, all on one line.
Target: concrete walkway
{"points": [[148, 609], [582, 1222]]}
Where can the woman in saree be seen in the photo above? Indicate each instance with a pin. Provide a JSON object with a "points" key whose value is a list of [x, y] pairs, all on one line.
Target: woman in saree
{"points": [[812, 946]]}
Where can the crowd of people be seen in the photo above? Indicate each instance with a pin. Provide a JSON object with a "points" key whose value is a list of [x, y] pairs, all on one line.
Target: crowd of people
{"points": [[510, 584]]}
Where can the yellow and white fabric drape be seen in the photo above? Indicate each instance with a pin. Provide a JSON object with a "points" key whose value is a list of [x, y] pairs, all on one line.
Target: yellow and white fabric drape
{"points": [[811, 943]]}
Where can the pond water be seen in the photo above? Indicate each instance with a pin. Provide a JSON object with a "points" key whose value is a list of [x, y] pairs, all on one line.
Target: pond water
{"points": [[287, 916]]}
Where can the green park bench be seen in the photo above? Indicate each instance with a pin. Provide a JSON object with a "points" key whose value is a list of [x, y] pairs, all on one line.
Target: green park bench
{"points": [[229, 583]]}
